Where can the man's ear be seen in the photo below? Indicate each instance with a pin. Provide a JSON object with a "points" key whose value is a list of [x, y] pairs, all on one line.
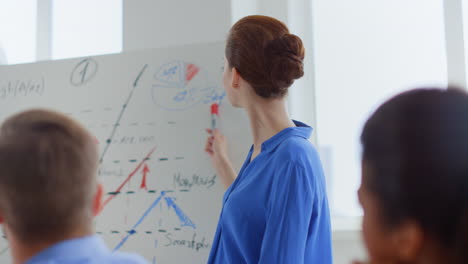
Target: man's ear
{"points": [[408, 241], [97, 200]]}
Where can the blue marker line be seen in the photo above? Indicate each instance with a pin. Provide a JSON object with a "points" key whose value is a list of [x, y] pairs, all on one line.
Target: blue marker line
{"points": [[170, 203], [182, 217], [139, 222], [221, 97], [122, 242]]}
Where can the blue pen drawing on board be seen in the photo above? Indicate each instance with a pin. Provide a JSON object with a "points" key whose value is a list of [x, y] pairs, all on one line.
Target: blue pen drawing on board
{"points": [[179, 85], [184, 219], [214, 96]]}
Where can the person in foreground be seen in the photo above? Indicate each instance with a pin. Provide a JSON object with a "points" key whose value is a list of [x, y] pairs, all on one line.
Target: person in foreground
{"points": [[276, 209], [49, 192], [414, 189]]}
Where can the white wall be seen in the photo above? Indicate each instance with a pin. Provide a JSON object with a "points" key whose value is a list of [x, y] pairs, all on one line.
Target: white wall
{"points": [[152, 24], [363, 56], [347, 247], [455, 47]]}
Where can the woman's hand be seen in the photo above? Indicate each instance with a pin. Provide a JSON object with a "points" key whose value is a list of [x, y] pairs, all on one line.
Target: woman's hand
{"points": [[216, 147]]}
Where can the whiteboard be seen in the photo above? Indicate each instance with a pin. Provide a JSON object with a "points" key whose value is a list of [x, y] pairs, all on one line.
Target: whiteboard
{"points": [[148, 110]]}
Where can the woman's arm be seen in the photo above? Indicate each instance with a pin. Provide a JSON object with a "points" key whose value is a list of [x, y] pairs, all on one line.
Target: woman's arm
{"points": [[216, 147]]}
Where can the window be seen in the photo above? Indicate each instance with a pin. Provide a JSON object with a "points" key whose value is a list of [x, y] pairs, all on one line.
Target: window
{"points": [[86, 27], [17, 31], [366, 51], [75, 28]]}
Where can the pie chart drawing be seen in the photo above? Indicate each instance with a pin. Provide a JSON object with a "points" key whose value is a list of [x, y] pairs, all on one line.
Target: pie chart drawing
{"points": [[179, 85]]}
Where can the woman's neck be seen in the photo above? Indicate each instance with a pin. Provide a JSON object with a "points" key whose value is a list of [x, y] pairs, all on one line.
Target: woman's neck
{"points": [[267, 118]]}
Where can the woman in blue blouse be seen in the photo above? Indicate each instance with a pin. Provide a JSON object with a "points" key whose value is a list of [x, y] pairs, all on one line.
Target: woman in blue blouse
{"points": [[276, 209]]}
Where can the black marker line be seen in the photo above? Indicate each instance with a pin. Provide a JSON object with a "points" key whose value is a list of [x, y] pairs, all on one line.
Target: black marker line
{"points": [[122, 111], [139, 75]]}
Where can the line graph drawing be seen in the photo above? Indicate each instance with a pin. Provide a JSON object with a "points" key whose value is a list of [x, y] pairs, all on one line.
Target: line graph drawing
{"points": [[129, 177], [121, 114], [182, 217], [147, 111], [170, 201]]}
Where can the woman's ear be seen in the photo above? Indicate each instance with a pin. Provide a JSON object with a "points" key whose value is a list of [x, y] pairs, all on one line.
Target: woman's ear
{"points": [[235, 78]]}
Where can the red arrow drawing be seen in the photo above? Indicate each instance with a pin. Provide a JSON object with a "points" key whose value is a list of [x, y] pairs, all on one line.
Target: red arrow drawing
{"points": [[143, 181], [127, 179]]}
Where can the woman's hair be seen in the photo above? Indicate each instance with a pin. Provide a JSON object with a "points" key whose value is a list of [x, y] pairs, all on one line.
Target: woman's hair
{"points": [[416, 146], [265, 55]]}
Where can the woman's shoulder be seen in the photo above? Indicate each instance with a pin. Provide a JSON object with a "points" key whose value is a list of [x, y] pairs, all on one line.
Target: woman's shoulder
{"points": [[299, 155], [296, 150]]}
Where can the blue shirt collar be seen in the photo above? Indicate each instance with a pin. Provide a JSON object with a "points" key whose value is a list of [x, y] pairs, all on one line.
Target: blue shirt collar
{"points": [[91, 246], [300, 130]]}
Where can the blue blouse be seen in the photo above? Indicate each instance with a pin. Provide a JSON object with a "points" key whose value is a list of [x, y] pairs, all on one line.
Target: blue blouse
{"points": [[276, 211]]}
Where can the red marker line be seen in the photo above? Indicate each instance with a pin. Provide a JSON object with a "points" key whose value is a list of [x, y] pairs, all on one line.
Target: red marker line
{"points": [[191, 71], [128, 178], [143, 180]]}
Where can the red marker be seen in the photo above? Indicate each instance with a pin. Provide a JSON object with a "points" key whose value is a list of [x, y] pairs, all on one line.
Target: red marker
{"points": [[214, 115]]}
